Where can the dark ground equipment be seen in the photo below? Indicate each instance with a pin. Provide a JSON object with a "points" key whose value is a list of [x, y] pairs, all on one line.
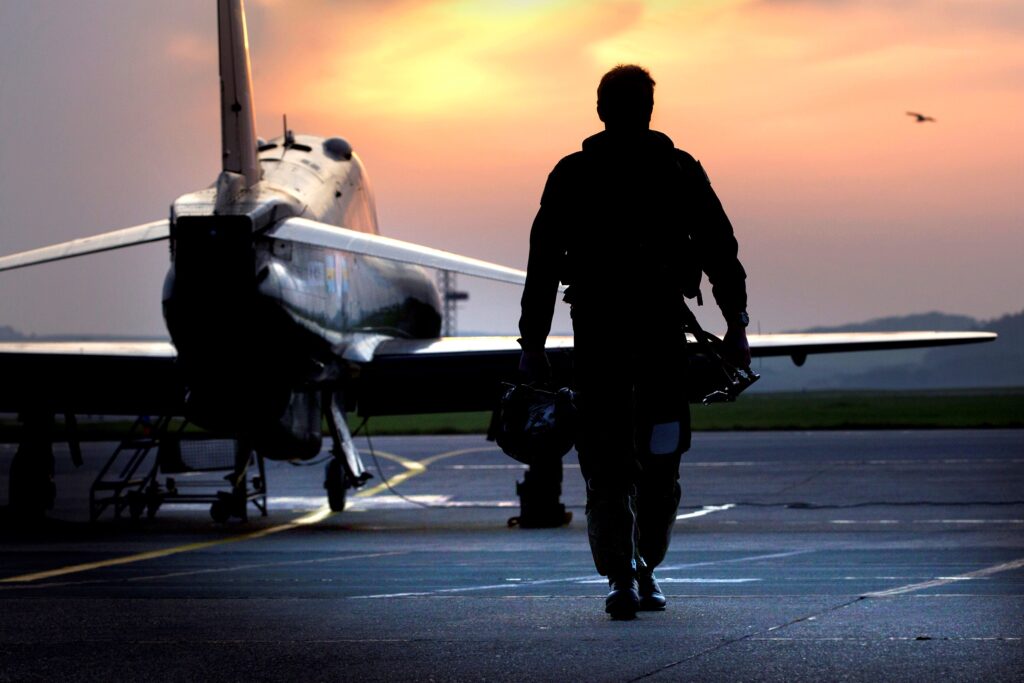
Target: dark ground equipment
{"points": [[540, 492], [537, 427], [160, 463]]}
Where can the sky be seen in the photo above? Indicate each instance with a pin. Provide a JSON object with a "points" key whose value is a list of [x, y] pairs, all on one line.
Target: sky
{"points": [[845, 208]]}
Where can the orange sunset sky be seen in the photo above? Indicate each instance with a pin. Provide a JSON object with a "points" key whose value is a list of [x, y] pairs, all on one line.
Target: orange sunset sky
{"points": [[846, 209]]}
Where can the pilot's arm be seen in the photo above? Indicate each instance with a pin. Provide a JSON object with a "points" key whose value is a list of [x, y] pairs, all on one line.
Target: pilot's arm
{"points": [[547, 252], [716, 243]]}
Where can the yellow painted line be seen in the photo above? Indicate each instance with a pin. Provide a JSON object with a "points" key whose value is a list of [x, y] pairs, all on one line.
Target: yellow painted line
{"points": [[313, 517], [404, 462], [307, 519], [451, 454], [211, 570], [413, 468], [265, 565]]}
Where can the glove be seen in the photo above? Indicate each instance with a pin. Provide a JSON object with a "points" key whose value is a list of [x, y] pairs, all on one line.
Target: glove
{"points": [[534, 367], [736, 348]]}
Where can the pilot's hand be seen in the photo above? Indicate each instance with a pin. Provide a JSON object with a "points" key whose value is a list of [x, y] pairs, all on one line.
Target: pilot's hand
{"points": [[534, 367], [736, 348]]}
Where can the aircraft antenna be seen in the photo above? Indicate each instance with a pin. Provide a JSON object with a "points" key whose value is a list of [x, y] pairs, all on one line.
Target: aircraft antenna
{"points": [[450, 298], [289, 137]]}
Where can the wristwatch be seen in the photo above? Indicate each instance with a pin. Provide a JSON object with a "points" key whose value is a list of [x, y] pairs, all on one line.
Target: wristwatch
{"points": [[742, 318]]}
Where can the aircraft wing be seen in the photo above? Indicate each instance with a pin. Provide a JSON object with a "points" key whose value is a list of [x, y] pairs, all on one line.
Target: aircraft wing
{"points": [[305, 231], [453, 374], [798, 346], [90, 377], [116, 239], [301, 230], [398, 376]]}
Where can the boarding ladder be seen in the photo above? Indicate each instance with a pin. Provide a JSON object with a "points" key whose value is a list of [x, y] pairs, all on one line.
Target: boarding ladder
{"points": [[131, 478]]}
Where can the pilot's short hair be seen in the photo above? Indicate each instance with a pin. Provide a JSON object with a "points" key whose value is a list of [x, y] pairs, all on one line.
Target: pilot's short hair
{"points": [[625, 95]]}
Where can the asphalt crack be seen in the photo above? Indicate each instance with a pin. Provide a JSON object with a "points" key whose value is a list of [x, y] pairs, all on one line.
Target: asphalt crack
{"points": [[750, 636]]}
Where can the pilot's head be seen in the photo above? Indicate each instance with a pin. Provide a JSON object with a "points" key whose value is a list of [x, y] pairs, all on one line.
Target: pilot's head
{"points": [[625, 97]]}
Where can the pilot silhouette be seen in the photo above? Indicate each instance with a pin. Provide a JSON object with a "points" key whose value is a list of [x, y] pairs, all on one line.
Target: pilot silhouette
{"points": [[628, 223]]}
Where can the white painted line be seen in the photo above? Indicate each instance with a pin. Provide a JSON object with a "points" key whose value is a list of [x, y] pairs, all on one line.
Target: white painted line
{"points": [[695, 580], [969, 521], [926, 521], [298, 502], [706, 510], [481, 504], [686, 580], [864, 639], [569, 579], [859, 463], [752, 558], [393, 502], [942, 581], [865, 521], [484, 467]]}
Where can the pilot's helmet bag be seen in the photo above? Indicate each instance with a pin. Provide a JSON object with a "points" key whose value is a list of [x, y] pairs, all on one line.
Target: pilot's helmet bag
{"points": [[534, 424]]}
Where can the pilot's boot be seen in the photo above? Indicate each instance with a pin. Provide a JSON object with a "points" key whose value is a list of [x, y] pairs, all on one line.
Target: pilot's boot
{"points": [[610, 529], [623, 599], [656, 516], [651, 597]]}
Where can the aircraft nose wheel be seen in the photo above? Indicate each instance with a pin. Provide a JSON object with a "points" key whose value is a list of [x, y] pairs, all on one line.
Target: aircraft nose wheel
{"points": [[336, 484], [220, 511], [228, 505]]}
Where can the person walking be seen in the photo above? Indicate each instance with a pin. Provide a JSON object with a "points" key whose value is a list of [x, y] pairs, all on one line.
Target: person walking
{"points": [[629, 223]]}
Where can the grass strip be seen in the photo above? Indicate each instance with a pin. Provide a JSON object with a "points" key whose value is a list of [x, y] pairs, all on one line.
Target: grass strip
{"points": [[945, 409], [931, 409]]}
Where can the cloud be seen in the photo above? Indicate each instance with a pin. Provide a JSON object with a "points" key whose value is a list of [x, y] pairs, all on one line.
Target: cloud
{"points": [[192, 50], [459, 59]]}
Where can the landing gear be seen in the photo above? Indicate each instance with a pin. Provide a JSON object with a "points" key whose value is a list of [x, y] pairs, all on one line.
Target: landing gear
{"points": [[345, 470], [336, 483], [226, 507], [32, 489], [235, 503]]}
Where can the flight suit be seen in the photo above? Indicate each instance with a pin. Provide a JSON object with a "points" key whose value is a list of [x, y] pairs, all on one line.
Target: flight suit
{"points": [[627, 223]]}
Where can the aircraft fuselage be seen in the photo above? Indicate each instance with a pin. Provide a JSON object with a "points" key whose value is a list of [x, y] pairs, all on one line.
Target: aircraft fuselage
{"points": [[260, 322]]}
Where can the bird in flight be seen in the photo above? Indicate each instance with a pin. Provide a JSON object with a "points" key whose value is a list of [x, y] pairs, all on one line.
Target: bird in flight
{"points": [[921, 118]]}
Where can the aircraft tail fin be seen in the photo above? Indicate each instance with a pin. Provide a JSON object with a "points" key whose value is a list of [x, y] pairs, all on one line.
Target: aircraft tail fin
{"points": [[237, 112]]}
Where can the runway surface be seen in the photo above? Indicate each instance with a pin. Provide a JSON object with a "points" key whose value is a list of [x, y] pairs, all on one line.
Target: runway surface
{"points": [[860, 556]]}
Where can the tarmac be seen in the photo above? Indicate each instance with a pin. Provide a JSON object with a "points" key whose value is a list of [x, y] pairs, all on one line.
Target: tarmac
{"points": [[798, 556]]}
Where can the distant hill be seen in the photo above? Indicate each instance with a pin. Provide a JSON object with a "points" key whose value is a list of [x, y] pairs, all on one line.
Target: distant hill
{"points": [[996, 364], [8, 333], [1000, 363], [939, 322]]}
